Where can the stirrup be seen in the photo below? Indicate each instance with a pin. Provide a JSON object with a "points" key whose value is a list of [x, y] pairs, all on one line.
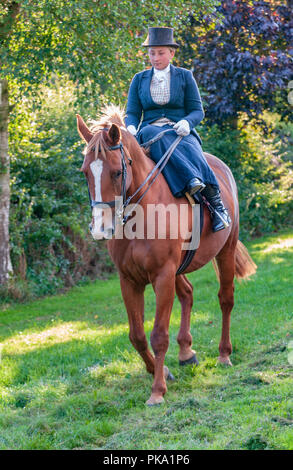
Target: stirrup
{"points": [[225, 221], [190, 199]]}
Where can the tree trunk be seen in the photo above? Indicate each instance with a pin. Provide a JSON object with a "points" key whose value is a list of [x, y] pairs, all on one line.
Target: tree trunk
{"points": [[5, 263]]}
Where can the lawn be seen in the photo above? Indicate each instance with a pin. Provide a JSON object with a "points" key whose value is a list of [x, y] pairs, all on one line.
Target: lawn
{"points": [[70, 379]]}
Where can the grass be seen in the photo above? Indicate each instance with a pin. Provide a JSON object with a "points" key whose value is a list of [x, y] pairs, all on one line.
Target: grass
{"points": [[70, 379]]}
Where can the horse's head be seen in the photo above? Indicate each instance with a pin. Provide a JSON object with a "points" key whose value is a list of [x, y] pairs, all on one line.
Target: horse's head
{"points": [[106, 167]]}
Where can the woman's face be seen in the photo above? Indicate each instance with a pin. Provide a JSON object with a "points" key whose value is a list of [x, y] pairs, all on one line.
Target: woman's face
{"points": [[160, 56]]}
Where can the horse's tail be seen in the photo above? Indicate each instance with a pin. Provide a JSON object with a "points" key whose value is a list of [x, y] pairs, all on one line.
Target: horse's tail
{"points": [[244, 265]]}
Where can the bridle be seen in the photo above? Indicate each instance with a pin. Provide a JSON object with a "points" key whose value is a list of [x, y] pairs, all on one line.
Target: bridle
{"points": [[112, 203], [126, 201]]}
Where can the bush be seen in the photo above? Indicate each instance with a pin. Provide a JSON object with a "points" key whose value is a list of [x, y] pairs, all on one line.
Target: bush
{"points": [[263, 177], [50, 244]]}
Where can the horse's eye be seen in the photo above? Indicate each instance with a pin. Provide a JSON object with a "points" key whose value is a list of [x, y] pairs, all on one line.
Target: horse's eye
{"points": [[117, 174]]}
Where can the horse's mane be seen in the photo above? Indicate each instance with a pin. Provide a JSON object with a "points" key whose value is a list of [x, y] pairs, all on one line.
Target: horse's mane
{"points": [[110, 114]]}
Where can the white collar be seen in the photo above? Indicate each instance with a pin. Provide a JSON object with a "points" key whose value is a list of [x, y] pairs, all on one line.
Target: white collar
{"points": [[163, 72]]}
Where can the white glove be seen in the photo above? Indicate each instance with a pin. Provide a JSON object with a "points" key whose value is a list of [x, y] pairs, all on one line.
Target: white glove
{"points": [[182, 127], [131, 129]]}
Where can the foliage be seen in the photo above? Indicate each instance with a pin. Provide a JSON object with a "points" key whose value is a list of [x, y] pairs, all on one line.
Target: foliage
{"points": [[49, 204], [283, 135], [91, 41], [243, 61], [70, 379], [264, 179]]}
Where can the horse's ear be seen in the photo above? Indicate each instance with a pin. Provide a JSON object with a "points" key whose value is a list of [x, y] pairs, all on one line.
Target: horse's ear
{"points": [[114, 134], [83, 130]]}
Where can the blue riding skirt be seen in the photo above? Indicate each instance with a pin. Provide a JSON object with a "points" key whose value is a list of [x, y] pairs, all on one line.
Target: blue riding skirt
{"points": [[186, 162]]}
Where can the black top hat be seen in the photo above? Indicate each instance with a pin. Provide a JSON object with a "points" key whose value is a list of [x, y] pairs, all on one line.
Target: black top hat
{"points": [[160, 37]]}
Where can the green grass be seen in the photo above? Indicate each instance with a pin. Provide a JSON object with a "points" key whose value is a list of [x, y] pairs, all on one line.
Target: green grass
{"points": [[70, 379]]}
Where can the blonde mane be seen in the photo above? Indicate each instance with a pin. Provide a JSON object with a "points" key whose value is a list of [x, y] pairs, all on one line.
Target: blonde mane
{"points": [[110, 114]]}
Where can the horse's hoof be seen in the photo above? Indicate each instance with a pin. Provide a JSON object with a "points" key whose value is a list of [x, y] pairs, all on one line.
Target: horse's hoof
{"points": [[191, 360], [225, 361], [168, 375], [155, 400]]}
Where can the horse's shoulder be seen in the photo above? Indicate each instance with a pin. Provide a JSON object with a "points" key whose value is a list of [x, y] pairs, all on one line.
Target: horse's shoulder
{"points": [[216, 163], [223, 173]]}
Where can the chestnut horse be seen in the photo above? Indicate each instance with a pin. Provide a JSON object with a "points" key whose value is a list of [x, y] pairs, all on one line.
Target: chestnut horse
{"points": [[143, 261]]}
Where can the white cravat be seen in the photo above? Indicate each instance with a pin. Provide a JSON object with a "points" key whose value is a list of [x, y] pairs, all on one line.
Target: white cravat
{"points": [[162, 75]]}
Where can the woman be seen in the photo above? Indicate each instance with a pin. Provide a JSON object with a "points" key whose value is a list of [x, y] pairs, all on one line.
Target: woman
{"points": [[167, 97]]}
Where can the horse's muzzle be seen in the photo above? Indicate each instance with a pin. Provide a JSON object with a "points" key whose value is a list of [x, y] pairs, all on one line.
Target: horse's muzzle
{"points": [[102, 234]]}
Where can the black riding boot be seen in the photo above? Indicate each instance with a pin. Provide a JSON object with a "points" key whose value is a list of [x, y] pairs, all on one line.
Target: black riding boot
{"points": [[220, 218]]}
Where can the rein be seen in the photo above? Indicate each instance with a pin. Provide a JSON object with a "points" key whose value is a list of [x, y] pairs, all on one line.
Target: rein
{"points": [[159, 166]]}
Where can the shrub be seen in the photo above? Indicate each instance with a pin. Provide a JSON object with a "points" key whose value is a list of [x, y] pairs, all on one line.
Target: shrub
{"points": [[263, 177], [50, 244]]}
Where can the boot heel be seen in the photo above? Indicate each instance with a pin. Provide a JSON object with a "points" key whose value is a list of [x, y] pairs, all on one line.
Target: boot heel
{"points": [[220, 215], [226, 223]]}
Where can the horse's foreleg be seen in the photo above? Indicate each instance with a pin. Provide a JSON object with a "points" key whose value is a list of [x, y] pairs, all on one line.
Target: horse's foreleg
{"points": [[226, 265], [184, 291], [164, 287], [133, 296]]}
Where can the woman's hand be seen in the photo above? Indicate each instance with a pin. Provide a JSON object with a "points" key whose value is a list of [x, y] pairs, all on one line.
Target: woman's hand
{"points": [[131, 129], [182, 127]]}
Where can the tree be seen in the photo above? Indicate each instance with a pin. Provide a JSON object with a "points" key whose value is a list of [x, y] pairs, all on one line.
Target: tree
{"points": [[5, 263], [243, 61], [6, 22], [91, 41]]}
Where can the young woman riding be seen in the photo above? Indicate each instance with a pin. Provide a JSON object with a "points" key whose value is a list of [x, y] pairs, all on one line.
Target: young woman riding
{"points": [[167, 97]]}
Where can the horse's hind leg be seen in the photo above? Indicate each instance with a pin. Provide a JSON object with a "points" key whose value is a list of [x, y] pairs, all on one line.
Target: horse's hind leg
{"points": [[184, 291], [133, 296], [226, 265]]}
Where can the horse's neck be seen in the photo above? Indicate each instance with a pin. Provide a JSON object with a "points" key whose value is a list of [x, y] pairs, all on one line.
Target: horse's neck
{"points": [[141, 168]]}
